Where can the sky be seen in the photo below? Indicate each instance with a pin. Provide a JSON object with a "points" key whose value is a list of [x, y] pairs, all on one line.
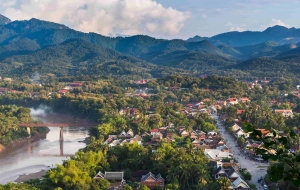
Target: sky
{"points": [[167, 19]]}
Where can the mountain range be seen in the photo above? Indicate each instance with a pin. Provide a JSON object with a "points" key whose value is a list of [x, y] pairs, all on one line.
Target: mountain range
{"points": [[36, 45]]}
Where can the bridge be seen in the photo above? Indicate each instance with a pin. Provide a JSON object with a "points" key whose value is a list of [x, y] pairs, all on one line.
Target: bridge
{"points": [[61, 126]]}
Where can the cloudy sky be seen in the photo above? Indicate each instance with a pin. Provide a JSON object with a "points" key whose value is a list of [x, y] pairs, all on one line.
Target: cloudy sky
{"points": [[158, 18]]}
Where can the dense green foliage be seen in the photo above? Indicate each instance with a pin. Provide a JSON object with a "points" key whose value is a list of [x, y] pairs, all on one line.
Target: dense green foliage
{"points": [[10, 117]]}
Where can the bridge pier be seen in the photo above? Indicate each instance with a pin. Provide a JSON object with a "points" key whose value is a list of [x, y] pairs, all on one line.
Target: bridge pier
{"points": [[61, 147], [61, 134], [28, 131]]}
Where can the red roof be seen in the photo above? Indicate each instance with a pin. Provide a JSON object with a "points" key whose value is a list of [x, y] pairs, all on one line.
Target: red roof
{"points": [[263, 131], [153, 130], [240, 111], [231, 99], [281, 111], [63, 91]]}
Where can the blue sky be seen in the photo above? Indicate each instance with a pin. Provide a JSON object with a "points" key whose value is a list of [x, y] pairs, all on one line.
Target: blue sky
{"points": [[158, 18], [211, 17]]}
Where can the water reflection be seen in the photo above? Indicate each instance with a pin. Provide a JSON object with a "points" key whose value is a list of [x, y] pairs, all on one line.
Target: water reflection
{"points": [[33, 156]]}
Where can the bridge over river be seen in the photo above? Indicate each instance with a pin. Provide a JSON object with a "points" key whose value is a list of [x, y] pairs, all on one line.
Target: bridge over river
{"points": [[60, 125]]}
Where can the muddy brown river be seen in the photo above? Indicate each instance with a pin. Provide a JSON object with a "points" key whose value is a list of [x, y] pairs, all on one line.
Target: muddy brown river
{"points": [[31, 157]]}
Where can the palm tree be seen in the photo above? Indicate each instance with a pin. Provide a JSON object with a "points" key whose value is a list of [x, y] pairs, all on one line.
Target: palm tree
{"points": [[224, 183]]}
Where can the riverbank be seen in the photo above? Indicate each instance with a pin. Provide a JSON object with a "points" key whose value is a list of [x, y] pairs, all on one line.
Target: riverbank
{"points": [[24, 174], [26, 177], [20, 141]]}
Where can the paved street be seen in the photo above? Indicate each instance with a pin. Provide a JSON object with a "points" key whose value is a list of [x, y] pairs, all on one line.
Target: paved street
{"points": [[242, 162]]}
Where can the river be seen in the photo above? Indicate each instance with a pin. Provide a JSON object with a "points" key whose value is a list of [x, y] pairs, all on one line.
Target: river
{"points": [[32, 157]]}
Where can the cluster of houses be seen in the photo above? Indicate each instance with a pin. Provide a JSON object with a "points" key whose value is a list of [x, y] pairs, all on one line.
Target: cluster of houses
{"points": [[200, 139], [124, 137], [231, 101], [234, 177], [143, 177], [70, 86], [143, 92]]}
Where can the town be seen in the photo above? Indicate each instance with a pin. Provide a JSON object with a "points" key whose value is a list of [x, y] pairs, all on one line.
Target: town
{"points": [[212, 126]]}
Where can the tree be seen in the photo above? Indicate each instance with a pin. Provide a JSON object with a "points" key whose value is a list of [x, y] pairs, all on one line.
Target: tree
{"points": [[101, 184], [224, 183], [144, 187], [241, 141], [127, 187]]}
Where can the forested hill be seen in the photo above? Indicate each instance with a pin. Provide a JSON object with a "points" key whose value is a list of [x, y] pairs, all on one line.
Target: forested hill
{"points": [[278, 34], [36, 45], [4, 20], [78, 57]]}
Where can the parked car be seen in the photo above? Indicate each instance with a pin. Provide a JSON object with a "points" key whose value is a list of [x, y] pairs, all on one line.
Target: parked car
{"points": [[265, 187]]}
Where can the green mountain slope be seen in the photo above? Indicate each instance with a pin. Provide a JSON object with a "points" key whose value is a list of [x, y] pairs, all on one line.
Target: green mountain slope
{"points": [[278, 34], [78, 57], [190, 60], [4, 20], [268, 67]]}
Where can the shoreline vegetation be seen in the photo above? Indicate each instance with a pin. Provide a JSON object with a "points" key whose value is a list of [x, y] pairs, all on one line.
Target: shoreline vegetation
{"points": [[36, 137]]}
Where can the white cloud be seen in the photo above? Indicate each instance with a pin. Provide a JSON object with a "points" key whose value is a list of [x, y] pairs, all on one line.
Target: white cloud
{"points": [[235, 28], [107, 17], [278, 22]]}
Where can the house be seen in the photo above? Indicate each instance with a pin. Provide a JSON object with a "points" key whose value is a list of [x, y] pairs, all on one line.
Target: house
{"points": [[239, 112], [127, 135], [175, 88], [264, 132], [201, 135], [212, 133], [240, 183], [244, 99], [142, 82], [232, 101], [232, 174], [152, 181], [63, 92], [137, 175], [220, 172], [114, 143], [153, 131], [285, 113], [235, 127], [157, 137], [184, 133], [215, 154], [240, 132], [221, 103], [116, 179]]}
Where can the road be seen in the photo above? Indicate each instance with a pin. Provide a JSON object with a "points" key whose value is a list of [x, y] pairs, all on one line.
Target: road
{"points": [[242, 162]]}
